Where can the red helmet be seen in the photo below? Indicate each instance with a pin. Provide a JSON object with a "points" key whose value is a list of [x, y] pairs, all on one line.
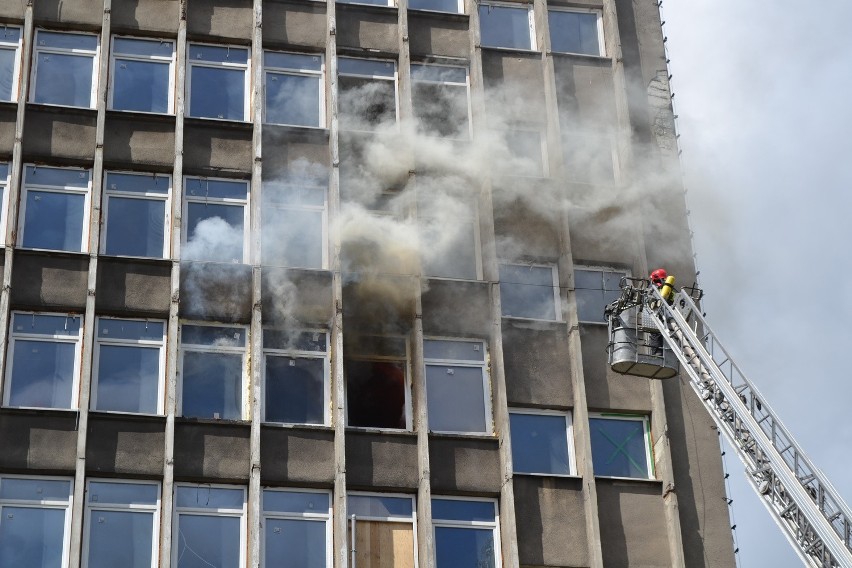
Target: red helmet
{"points": [[658, 276]]}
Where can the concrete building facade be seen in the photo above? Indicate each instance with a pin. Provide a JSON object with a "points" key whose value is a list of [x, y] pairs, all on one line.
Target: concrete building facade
{"points": [[305, 283]]}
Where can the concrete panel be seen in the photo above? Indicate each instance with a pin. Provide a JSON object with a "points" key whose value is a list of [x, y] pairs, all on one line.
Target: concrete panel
{"points": [[149, 15], [222, 19], [215, 291], [59, 133], [585, 92], [49, 281], [520, 230], [380, 460], [456, 308], [549, 514], [125, 444], [289, 151], [210, 451], [293, 455], [300, 295], [438, 34], [133, 286], [14, 12], [290, 24], [367, 27], [606, 390], [137, 140], [537, 363], [85, 14], [38, 440], [632, 524], [8, 114], [464, 465], [514, 86], [378, 304], [215, 146]]}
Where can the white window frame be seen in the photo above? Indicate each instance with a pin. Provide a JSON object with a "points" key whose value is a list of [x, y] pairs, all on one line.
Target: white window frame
{"points": [[389, 3], [530, 20], [569, 434], [146, 59], [219, 512], [4, 202], [466, 84], [378, 78], [298, 73], [53, 338], [600, 28], [46, 504], [353, 519], [118, 507], [554, 270], [161, 345], [646, 438], [196, 348], [16, 70], [495, 526], [300, 354], [601, 269], [187, 199], [246, 67], [486, 382], [37, 50], [409, 424], [142, 196], [323, 209], [87, 204], [326, 516]]}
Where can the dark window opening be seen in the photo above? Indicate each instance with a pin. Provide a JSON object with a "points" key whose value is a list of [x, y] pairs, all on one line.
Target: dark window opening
{"points": [[375, 393]]}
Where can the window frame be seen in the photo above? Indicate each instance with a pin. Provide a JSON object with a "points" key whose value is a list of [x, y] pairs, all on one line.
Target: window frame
{"points": [[512, 131], [87, 205], [394, 80], [530, 19], [245, 203], [218, 65], [16, 70], [326, 517], [646, 438], [600, 269], [554, 270], [141, 196], [469, 132], [459, 9], [144, 58], [4, 202], [495, 526], [217, 512], [599, 26], [569, 437], [298, 73], [323, 209], [408, 410], [66, 51]]}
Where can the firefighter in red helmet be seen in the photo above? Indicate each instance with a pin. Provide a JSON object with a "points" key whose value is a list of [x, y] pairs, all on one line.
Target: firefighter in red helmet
{"points": [[664, 283], [658, 277]]}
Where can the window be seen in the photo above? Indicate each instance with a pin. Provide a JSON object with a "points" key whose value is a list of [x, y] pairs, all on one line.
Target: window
{"points": [[450, 227], [136, 212], [372, 2], [4, 199], [541, 442], [293, 89], [55, 209], [466, 533], [367, 93], [44, 361], [212, 371], [454, 6], [142, 75], [214, 220], [295, 385], [457, 388], [526, 152], [122, 524], [217, 81], [35, 521], [129, 364], [210, 526], [64, 69], [382, 528], [440, 98], [594, 290], [296, 529], [377, 389], [506, 25], [575, 31], [295, 225], [529, 291], [621, 446], [10, 62], [589, 158]]}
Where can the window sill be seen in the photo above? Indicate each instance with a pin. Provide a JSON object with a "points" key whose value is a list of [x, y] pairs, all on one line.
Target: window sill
{"points": [[219, 122], [556, 475], [293, 426], [463, 436], [454, 16], [617, 479], [131, 416], [532, 320], [61, 109], [53, 253], [136, 259], [375, 8], [141, 116], [511, 50], [194, 420], [389, 431], [308, 132], [583, 56], [38, 411]]}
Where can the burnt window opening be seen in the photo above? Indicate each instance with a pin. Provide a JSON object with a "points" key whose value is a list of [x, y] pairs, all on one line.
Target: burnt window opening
{"points": [[375, 393]]}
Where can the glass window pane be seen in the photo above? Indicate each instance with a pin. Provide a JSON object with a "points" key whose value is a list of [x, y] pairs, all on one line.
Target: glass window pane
{"points": [[295, 502], [438, 73], [64, 79], [378, 506], [32, 537], [4, 172], [527, 291], [455, 350], [441, 109], [130, 329], [618, 447], [293, 237], [458, 510], [44, 324], [366, 103], [290, 543], [128, 379], [539, 443], [503, 26], [60, 177], [212, 385], [375, 393], [213, 335], [35, 489], [292, 99], [67, 41], [123, 493], [204, 541], [206, 497], [138, 183], [216, 188], [218, 54], [10, 35], [141, 86], [143, 47], [574, 32], [135, 227], [8, 58], [120, 538], [54, 220], [464, 548], [296, 61], [214, 232], [298, 341], [455, 398], [42, 374], [217, 92], [295, 390], [370, 67]]}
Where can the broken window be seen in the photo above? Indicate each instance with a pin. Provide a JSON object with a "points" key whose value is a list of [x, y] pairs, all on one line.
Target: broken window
{"points": [[377, 389], [122, 524], [466, 532], [36, 521], [64, 67], [296, 389], [43, 360], [10, 62], [293, 89], [142, 75], [594, 289], [367, 93], [575, 31], [209, 526], [541, 442], [294, 228], [453, 6], [526, 152], [381, 530], [529, 291], [212, 371], [621, 445], [440, 100], [136, 213], [449, 228], [217, 80], [457, 387], [506, 25], [296, 528], [55, 209], [214, 220], [589, 158]]}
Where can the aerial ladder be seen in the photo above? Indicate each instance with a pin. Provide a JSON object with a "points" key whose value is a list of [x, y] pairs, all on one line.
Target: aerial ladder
{"points": [[654, 332]]}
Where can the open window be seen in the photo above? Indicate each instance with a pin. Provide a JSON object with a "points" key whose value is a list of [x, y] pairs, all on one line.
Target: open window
{"points": [[441, 100], [209, 526], [377, 388], [10, 62], [217, 81], [142, 75], [621, 445], [55, 209], [36, 526], [576, 30], [381, 530], [508, 25], [594, 289], [296, 526], [466, 532], [136, 212], [529, 291], [215, 218], [64, 69], [296, 381], [457, 386], [293, 89], [367, 93], [542, 442], [212, 371]]}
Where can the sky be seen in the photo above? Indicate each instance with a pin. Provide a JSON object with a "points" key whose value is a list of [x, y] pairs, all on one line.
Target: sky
{"points": [[763, 94]]}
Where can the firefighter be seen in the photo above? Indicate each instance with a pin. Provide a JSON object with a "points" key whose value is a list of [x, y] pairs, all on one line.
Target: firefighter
{"points": [[664, 283]]}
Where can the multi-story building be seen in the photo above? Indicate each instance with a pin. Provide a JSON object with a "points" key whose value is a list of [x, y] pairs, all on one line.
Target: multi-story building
{"points": [[302, 283]]}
